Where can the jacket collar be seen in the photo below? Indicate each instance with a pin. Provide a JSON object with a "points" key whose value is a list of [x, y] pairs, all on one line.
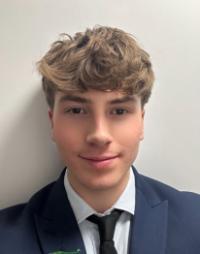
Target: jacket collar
{"points": [[58, 230], [56, 224], [149, 227]]}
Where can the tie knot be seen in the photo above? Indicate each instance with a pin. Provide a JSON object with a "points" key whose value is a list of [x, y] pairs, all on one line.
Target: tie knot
{"points": [[106, 224]]}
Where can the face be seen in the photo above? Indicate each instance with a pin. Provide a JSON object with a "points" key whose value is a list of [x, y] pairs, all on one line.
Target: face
{"points": [[97, 134]]}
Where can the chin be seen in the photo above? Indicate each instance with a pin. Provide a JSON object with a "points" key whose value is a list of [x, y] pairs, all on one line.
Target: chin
{"points": [[104, 184]]}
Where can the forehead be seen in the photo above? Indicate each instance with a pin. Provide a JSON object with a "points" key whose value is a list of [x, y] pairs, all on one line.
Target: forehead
{"points": [[95, 96]]}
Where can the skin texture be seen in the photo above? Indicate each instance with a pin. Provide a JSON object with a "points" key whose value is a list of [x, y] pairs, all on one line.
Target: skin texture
{"points": [[98, 139]]}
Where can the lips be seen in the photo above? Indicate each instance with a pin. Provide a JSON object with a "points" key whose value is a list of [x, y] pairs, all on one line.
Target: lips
{"points": [[100, 162], [99, 158]]}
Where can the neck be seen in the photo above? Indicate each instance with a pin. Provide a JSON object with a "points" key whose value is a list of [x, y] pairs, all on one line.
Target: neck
{"points": [[100, 199]]}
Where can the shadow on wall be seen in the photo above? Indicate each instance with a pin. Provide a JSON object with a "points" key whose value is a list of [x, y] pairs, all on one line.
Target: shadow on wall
{"points": [[30, 159]]}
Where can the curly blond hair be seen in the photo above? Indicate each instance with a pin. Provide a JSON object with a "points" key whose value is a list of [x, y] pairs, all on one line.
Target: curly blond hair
{"points": [[102, 58]]}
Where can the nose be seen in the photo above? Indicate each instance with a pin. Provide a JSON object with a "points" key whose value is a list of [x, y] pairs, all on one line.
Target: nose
{"points": [[98, 134]]}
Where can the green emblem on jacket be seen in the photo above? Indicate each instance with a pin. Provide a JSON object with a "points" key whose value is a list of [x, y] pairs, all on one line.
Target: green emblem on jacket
{"points": [[65, 252]]}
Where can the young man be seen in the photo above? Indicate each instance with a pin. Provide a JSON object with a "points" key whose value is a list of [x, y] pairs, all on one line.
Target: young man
{"points": [[96, 85]]}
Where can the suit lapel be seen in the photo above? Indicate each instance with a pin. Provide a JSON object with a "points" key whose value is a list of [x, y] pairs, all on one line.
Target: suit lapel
{"points": [[56, 224], [58, 230], [149, 230]]}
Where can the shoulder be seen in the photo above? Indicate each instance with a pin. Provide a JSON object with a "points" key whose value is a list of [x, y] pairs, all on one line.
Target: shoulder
{"points": [[173, 195], [182, 210], [182, 203], [16, 218], [18, 224], [23, 213], [183, 206]]}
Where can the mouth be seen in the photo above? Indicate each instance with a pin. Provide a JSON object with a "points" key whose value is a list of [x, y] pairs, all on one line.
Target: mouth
{"points": [[99, 158], [100, 162]]}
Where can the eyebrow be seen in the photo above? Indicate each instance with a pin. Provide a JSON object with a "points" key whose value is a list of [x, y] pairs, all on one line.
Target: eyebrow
{"points": [[124, 99], [75, 98]]}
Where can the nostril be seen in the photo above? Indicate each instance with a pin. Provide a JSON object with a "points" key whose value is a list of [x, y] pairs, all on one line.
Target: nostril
{"points": [[98, 140]]}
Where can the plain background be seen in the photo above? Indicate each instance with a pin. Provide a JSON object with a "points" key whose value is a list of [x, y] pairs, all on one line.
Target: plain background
{"points": [[168, 30]]}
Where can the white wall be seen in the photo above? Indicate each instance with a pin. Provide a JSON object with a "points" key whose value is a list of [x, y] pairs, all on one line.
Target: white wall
{"points": [[168, 30]]}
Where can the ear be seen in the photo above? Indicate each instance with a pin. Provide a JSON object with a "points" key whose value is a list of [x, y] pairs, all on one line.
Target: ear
{"points": [[143, 113], [142, 125], [50, 114]]}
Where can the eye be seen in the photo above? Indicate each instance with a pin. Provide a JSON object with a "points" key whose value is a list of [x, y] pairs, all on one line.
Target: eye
{"points": [[119, 111], [75, 111]]}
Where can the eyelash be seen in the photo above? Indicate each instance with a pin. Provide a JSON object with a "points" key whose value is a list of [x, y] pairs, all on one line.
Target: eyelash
{"points": [[121, 110], [73, 111]]}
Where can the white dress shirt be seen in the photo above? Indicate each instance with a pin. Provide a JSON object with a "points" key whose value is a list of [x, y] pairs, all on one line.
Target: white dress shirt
{"points": [[89, 230]]}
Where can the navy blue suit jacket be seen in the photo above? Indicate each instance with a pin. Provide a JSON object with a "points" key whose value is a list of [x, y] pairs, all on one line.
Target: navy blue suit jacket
{"points": [[166, 221]]}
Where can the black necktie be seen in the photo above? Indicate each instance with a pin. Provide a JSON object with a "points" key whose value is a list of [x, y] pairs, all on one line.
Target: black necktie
{"points": [[106, 225]]}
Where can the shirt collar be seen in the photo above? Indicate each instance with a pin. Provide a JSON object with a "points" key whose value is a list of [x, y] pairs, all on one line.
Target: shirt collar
{"points": [[126, 202]]}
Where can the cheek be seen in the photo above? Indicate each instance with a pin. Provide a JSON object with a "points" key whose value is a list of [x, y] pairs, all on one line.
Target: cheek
{"points": [[65, 135], [131, 134], [129, 144], [67, 143], [62, 135]]}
